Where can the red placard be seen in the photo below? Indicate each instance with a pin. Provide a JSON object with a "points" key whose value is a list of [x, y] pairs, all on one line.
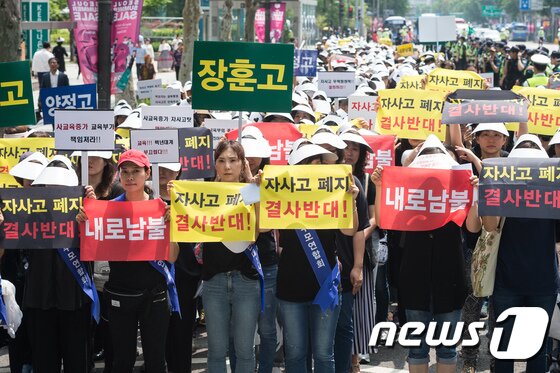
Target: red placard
{"points": [[280, 137], [383, 151], [124, 231], [423, 199]]}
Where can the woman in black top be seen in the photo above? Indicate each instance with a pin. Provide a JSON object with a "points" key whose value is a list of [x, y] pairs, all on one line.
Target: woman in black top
{"points": [[137, 292]]}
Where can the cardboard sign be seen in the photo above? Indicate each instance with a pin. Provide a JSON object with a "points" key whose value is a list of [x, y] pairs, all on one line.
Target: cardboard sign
{"points": [[16, 94], [405, 50], [160, 117], [124, 231], [81, 130], [450, 80], [165, 96], [362, 106], [12, 149], [69, 97], [161, 146], [544, 109], [210, 212], [40, 217], [196, 153], [306, 197], [520, 187], [424, 199], [337, 84], [242, 76], [145, 88], [485, 112], [305, 62], [488, 78]]}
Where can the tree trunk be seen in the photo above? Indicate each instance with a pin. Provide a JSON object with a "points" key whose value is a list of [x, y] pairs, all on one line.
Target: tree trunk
{"points": [[191, 15], [225, 33], [251, 10], [10, 32]]}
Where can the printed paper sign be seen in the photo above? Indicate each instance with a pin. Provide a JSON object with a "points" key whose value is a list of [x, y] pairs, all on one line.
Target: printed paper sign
{"points": [[69, 97], [520, 187], [40, 217], [305, 62], [485, 112], [544, 109], [161, 146], [196, 153], [165, 96], [383, 151], [210, 212], [411, 82], [124, 231], [410, 114], [306, 197], [219, 128], [488, 78], [362, 106], [450, 80], [424, 199], [84, 130], [405, 50], [145, 88], [337, 84], [160, 117]]}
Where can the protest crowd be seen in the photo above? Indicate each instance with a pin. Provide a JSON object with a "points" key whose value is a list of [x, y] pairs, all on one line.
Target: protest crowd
{"points": [[389, 175]]}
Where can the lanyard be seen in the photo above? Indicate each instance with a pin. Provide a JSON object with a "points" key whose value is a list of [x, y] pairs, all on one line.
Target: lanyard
{"points": [[168, 271], [3, 315], [252, 253]]}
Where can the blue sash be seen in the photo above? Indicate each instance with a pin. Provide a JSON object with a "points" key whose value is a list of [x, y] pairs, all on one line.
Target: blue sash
{"points": [[78, 270], [252, 253], [327, 296], [3, 316], [167, 270]]}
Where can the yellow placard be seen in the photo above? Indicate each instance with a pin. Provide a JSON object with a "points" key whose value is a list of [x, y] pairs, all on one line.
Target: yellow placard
{"points": [[411, 82], [12, 149], [410, 113], [306, 197], [450, 80], [544, 109], [308, 130], [210, 212], [512, 126], [385, 41], [405, 50]]}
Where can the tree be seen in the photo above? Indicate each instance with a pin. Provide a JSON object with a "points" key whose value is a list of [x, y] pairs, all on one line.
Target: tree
{"points": [[251, 10], [154, 8], [10, 32], [191, 15], [225, 30]]}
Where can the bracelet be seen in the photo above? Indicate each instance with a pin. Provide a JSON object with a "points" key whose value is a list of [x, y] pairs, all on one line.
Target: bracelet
{"points": [[355, 209]]}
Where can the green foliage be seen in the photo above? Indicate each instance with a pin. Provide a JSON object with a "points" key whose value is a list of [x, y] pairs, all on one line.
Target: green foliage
{"points": [[55, 34], [155, 8], [56, 10]]}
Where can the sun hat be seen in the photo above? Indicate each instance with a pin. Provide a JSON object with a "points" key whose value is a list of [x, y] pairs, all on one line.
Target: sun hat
{"points": [[353, 136], [324, 135], [30, 165], [517, 152], [308, 151], [175, 167], [58, 171], [496, 127], [101, 154]]}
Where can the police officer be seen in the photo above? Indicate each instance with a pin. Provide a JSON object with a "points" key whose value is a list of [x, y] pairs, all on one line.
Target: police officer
{"points": [[540, 63]]}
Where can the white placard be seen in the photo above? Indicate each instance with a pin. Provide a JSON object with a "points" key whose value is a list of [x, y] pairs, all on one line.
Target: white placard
{"points": [[84, 130], [219, 128], [432, 29], [161, 146], [337, 84], [361, 106], [145, 87], [160, 117], [165, 96], [489, 78]]}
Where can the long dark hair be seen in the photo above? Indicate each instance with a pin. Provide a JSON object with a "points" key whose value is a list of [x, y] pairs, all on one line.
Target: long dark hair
{"points": [[360, 167], [238, 149], [107, 178]]}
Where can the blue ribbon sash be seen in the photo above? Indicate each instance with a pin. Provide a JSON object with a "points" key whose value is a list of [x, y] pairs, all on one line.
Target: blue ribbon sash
{"points": [[328, 279], [252, 253], [71, 259], [3, 315], [168, 271]]}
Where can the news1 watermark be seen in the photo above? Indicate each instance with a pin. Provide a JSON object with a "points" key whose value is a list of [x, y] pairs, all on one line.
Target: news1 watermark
{"points": [[527, 336]]}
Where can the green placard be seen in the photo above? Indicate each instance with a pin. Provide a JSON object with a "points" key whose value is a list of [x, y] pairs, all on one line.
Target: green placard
{"points": [[16, 94], [242, 76]]}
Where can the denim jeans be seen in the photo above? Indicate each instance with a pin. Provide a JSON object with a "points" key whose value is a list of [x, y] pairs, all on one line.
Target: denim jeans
{"points": [[231, 304], [445, 354], [381, 294], [305, 323], [502, 302], [344, 334], [266, 325]]}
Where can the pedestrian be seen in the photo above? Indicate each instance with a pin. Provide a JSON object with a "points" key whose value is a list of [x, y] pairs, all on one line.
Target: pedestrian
{"points": [[177, 58], [40, 65], [55, 78], [148, 70], [60, 52]]}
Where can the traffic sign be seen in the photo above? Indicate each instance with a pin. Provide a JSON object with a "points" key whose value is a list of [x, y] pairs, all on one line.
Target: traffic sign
{"points": [[524, 4], [491, 11]]}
